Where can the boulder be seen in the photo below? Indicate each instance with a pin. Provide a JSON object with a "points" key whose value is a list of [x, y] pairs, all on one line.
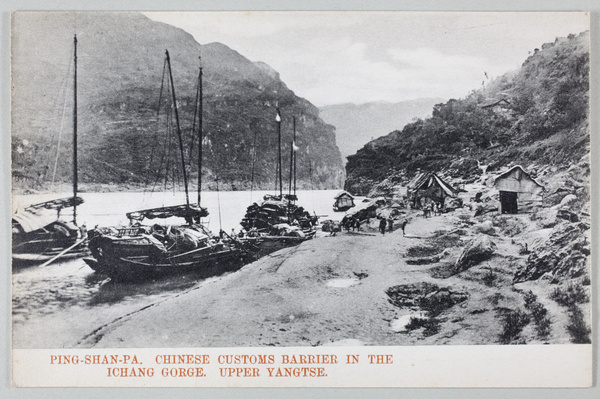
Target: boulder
{"points": [[452, 203], [567, 215], [486, 208], [425, 296], [476, 251], [440, 300], [486, 227], [545, 218], [331, 226], [568, 199], [565, 254], [425, 260]]}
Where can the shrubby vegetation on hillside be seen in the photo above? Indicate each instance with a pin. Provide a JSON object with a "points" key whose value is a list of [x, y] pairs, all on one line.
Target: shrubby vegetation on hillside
{"points": [[536, 114]]}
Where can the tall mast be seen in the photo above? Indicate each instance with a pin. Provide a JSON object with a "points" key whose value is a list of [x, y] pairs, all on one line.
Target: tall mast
{"points": [[294, 154], [200, 131], [278, 119], [74, 129], [185, 181], [253, 162], [291, 168], [309, 167]]}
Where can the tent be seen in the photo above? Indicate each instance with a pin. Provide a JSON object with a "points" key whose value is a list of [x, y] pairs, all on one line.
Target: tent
{"points": [[428, 187]]}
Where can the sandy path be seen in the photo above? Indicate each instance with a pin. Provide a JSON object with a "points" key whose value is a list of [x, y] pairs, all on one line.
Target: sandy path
{"points": [[283, 299]]}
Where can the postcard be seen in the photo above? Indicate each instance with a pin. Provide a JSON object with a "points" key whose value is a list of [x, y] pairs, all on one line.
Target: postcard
{"points": [[301, 199]]}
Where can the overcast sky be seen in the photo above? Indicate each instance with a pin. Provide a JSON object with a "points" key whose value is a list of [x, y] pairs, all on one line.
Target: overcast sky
{"points": [[358, 57]]}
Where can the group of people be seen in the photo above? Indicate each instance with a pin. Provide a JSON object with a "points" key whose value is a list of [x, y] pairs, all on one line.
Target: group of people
{"points": [[431, 209], [351, 223], [388, 223]]}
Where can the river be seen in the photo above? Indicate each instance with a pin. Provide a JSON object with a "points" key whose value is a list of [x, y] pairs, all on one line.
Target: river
{"points": [[58, 305]]}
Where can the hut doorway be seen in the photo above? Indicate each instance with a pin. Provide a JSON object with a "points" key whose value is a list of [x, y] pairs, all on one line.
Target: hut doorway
{"points": [[508, 202]]}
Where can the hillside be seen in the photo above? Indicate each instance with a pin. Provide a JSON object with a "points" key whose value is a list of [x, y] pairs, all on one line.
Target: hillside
{"points": [[357, 124], [120, 66], [535, 116]]}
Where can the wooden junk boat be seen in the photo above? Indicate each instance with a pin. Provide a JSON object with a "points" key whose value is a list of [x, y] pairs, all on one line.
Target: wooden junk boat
{"points": [[277, 221], [142, 251], [343, 201], [40, 234]]}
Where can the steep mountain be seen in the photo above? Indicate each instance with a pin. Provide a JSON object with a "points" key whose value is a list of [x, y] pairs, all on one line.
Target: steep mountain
{"points": [[537, 115], [357, 124], [120, 74]]}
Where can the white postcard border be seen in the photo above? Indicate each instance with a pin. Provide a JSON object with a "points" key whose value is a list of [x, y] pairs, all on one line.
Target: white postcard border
{"points": [[550, 355]]}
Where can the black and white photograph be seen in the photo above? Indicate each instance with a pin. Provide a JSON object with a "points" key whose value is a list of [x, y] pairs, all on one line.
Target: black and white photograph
{"points": [[299, 179]]}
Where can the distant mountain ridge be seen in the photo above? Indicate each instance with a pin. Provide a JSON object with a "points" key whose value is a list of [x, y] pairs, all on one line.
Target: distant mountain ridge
{"points": [[357, 124], [537, 115], [120, 64]]}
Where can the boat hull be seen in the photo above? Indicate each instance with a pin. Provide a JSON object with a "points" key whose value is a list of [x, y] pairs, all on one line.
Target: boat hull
{"points": [[341, 208], [134, 258], [39, 246], [265, 244]]}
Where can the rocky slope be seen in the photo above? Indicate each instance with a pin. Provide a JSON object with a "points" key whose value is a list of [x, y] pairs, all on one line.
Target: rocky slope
{"points": [[120, 67], [535, 115]]}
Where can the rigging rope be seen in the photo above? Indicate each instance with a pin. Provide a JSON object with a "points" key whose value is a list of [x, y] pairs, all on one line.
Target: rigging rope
{"points": [[219, 206], [193, 135], [60, 130], [61, 94], [155, 141]]}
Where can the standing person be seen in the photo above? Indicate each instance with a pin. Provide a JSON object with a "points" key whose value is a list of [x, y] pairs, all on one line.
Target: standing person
{"points": [[390, 224], [382, 225], [403, 225]]}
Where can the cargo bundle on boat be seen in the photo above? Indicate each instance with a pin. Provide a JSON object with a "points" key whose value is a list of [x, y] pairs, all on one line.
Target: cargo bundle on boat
{"points": [[277, 221]]}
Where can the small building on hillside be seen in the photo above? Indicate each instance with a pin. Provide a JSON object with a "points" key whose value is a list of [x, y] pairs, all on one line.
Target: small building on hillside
{"points": [[518, 191], [428, 187], [343, 201]]}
